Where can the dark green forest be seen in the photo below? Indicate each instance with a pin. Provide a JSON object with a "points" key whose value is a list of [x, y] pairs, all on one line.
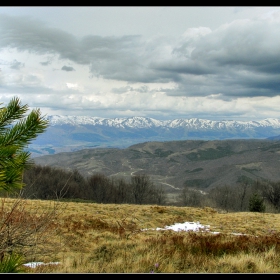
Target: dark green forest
{"points": [[51, 183]]}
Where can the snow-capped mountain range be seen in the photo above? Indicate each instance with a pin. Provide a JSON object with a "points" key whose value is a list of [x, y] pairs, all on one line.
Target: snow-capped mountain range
{"points": [[143, 122], [70, 133]]}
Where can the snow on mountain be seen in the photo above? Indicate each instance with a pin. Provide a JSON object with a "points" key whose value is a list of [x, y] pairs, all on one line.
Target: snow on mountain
{"points": [[142, 122], [138, 122], [69, 133]]}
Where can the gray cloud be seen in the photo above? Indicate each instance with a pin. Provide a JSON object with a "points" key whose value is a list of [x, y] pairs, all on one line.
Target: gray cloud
{"points": [[67, 68], [19, 89], [240, 59], [247, 44], [45, 63], [23, 33], [16, 65], [122, 89]]}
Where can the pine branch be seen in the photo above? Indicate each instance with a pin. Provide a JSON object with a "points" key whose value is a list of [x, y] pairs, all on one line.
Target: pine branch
{"points": [[13, 139], [12, 112], [23, 132]]}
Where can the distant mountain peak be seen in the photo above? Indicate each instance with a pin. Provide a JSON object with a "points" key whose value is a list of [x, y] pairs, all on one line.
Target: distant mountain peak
{"points": [[71, 133], [145, 122]]}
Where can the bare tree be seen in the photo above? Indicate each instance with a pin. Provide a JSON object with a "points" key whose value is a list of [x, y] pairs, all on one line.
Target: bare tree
{"points": [[99, 186], [243, 193], [271, 192], [191, 197], [122, 191], [141, 187], [158, 196], [225, 197]]}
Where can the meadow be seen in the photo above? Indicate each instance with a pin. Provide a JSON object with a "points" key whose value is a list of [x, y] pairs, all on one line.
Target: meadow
{"points": [[86, 237]]}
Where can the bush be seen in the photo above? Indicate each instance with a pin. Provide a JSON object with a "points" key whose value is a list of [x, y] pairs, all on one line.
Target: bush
{"points": [[27, 231], [256, 203]]}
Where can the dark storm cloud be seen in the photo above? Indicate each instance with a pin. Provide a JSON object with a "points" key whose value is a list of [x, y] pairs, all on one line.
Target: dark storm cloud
{"points": [[184, 67], [67, 68], [110, 57], [248, 44], [240, 59], [27, 34]]}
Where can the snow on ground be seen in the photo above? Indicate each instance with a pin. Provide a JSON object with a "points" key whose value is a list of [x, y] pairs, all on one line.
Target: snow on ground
{"points": [[187, 226], [34, 264]]}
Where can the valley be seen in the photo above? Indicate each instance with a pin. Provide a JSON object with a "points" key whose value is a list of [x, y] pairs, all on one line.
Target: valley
{"points": [[174, 164]]}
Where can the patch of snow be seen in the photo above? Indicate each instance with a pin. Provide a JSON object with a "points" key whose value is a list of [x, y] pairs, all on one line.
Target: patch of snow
{"points": [[35, 264], [191, 226], [187, 226]]}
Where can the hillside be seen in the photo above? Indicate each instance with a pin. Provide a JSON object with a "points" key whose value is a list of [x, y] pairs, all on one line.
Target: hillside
{"points": [[172, 164]]}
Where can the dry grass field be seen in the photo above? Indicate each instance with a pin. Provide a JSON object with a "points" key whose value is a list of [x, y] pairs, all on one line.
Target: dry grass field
{"points": [[87, 237]]}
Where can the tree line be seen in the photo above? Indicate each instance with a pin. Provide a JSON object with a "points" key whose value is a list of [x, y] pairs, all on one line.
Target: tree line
{"points": [[45, 182], [255, 196]]}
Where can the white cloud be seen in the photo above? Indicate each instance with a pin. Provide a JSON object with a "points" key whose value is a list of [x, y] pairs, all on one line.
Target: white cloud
{"points": [[70, 85]]}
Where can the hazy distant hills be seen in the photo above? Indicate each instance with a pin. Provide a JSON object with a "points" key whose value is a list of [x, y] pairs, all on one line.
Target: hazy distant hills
{"points": [[199, 153], [197, 163], [72, 133]]}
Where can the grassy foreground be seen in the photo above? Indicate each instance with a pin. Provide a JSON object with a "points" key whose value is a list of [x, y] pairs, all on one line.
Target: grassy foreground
{"points": [[109, 238]]}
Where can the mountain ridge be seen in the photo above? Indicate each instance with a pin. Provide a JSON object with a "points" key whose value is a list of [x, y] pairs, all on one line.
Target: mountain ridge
{"points": [[141, 122], [71, 133]]}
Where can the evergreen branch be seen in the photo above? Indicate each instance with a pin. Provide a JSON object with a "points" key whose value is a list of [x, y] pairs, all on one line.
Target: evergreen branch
{"points": [[13, 159], [12, 112], [23, 132]]}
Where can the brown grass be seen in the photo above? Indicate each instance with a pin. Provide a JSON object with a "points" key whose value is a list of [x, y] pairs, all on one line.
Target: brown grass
{"points": [[109, 238]]}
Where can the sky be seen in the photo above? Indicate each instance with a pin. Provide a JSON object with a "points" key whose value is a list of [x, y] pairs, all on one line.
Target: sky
{"points": [[162, 62]]}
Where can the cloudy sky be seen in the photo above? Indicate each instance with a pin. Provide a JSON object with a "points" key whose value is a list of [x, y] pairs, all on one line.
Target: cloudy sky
{"points": [[217, 63]]}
